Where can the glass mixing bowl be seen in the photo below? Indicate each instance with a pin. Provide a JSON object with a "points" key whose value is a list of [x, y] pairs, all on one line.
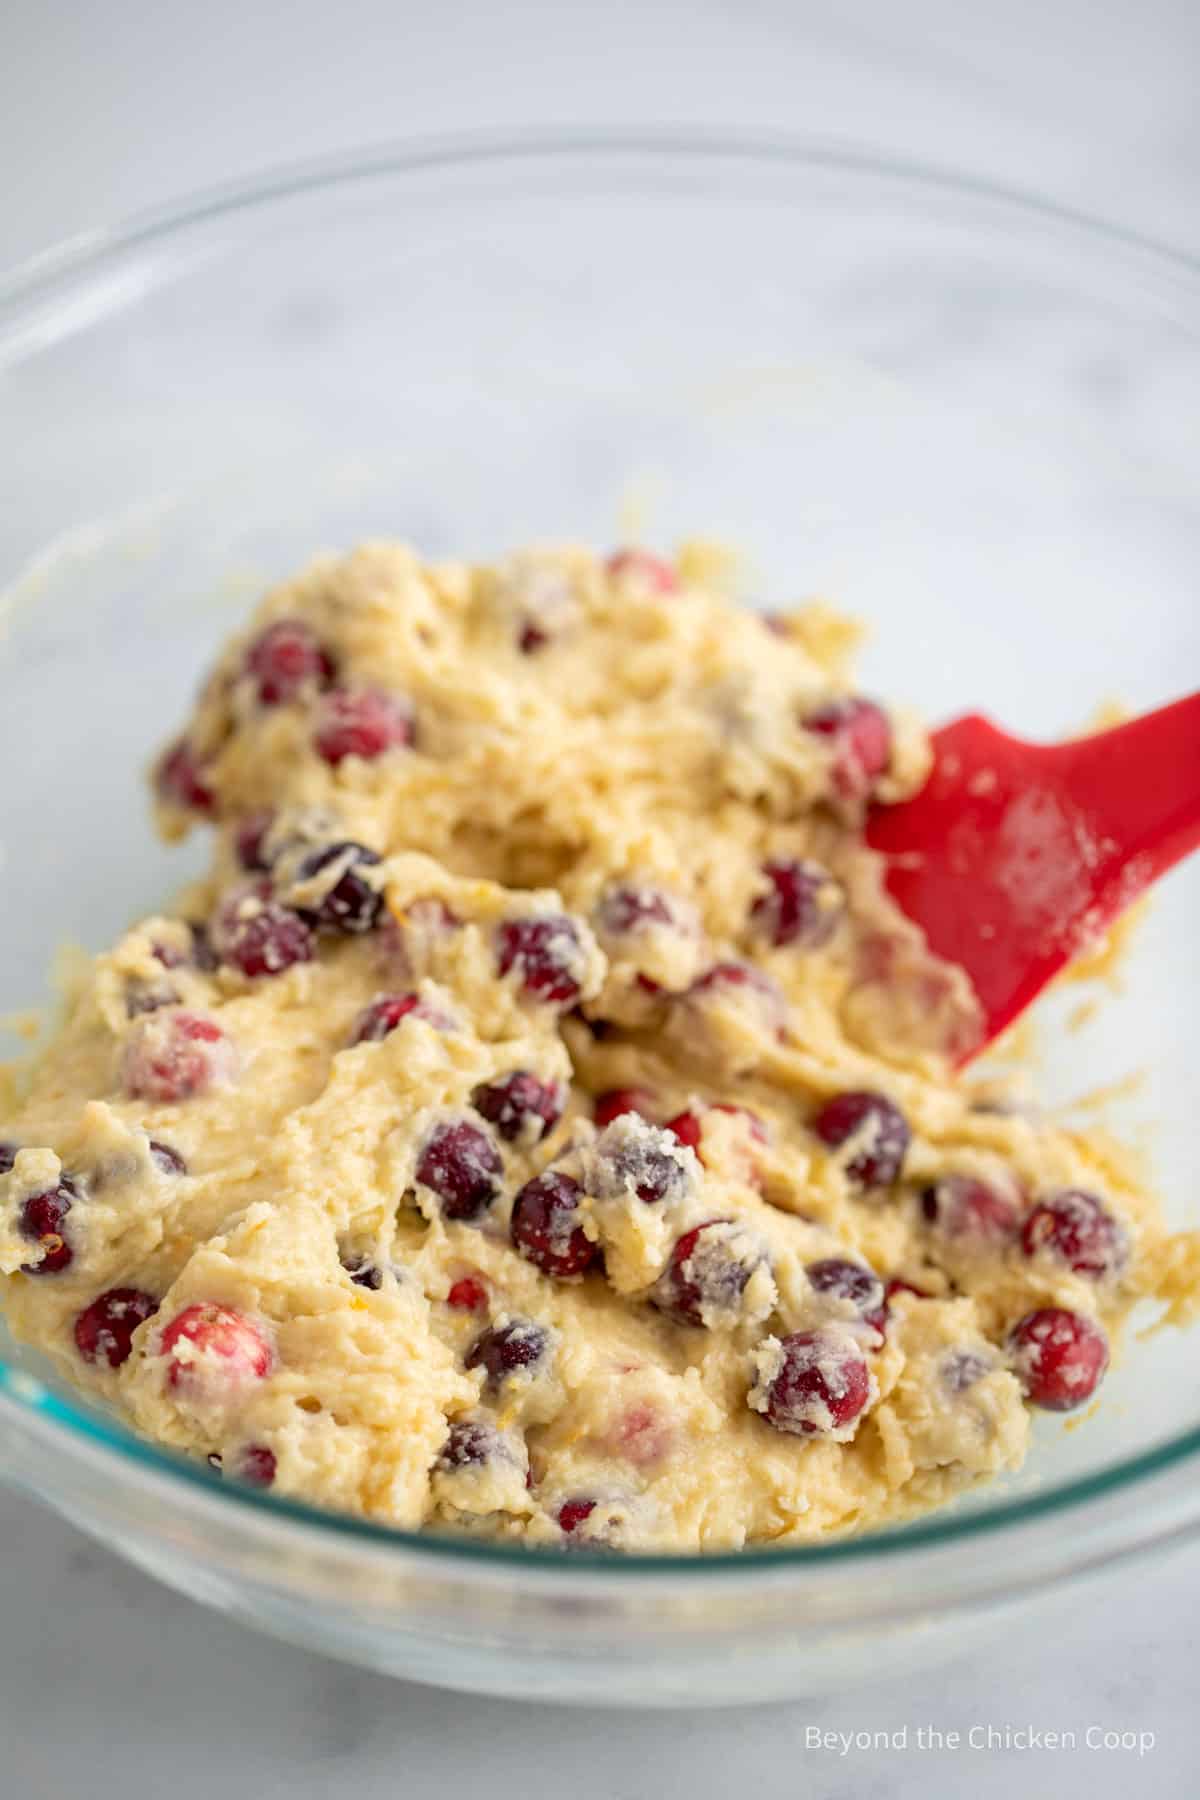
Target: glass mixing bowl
{"points": [[971, 417]]}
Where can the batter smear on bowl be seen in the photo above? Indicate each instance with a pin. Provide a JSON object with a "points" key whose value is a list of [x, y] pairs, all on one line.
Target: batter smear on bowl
{"points": [[540, 1121]]}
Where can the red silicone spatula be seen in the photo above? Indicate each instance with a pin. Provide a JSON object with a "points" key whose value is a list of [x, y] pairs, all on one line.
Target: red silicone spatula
{"points": [[1014, 856]]}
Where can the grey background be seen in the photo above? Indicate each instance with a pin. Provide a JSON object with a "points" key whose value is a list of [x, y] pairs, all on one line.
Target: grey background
{"points": [[108, 1684]]}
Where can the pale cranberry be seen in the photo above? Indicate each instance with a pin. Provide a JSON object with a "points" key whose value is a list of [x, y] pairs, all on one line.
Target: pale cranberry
{"points": [[1059, 1357], [615, 1102], [166, 1158], [176, 1056], [572, 1513], [1077, 1229], [364, 722], [213, 1349], [503, 1350], [104, 1330], [255, 1465], [708, 1273], [969, 1211], [878, 1131], [545, 1226], [381, 1017], [260, 936], [861, 736], [521, 1106], [468, 1294], [546, 954], [643, 570], [821, 1385], [802, 904], [851, 1281], [286, 658], [350, 904], [42, 1220], [462, 1166], [181, 779]]}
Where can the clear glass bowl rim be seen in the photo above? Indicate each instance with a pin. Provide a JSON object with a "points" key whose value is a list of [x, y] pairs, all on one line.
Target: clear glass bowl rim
{"points": [[75, 261]]}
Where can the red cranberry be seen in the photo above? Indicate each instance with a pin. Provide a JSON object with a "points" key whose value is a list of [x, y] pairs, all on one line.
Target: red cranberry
{"points": [[895, 1286], [572, 1513], [708, 1273], [1077, 1229], [820, 1386], [249, 842], [260, 936], [181, 781], [532, 638], [285, 658], [382, 1016], [255, 1465], [462, 1166], [1059, 1356], [642, 569], [167, 1159], [471, 1443], [878, 1130], [521, 1106], [362, 722], [686, 1127], [214, 1347], [468, 1294], [503, 1349], [8, 1156], [615, 1102], [852, 1281], [969, 1211], [105, 1328], [175, 1056], [351, 904], [734, 978], [544, 1225], [42, 1222], [861, 735], [546, 953], [626, 907], [689, 1129], [640, 1157], [803, 904]]}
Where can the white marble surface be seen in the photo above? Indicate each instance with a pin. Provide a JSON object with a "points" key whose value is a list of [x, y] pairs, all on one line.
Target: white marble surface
{"points": [[110, 1685]]}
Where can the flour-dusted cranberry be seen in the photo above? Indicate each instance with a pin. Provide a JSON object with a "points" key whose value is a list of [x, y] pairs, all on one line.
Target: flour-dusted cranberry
{"points": [[181, 779], [572, 1513], [504, 1350], [462, 1166], [259, 936], [1077, 1229], [286, 658], [472, 1443], [1059, 1357], [381, 1017], [641, 569], [364, 722], [254, 1465], [214, 1350], [961, 1369], [626, 907], [851, 1281], [521, 1106], [175, 1056], [631, 1156], [350, 903], [104, 1330], [971, 1212], [545, 1225], [615, 1102], [468, 1294], [42, 1220], [813, 1383], [801, 904], [166, 1158], [876, 1132], [250, 841], [8, 1156], [547, 954], [860, 733], [740, 981], [705, 1280]]}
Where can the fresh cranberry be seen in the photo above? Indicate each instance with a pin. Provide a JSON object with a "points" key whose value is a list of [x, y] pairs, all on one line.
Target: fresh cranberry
{"points": [[468, 1294], [643, 569], [351, 904], [689, 1129], [503, 1349], [821, 1385], [212, 1348], [969, 1211], [708, 1273], [285, 658], [167, 1159], [381, 1017], [175, 1056], [726, 979], [462, 1166], [627, 906], [471, 1443], [686, 1127], [260, 936], [105, 1328], [42, 1222], [642, 1157], [802, 904], [878, 1129], [1059, 1356], [615, 1102], [852, 1281], [180, 779], [544, 1225], [249, 842], [255, 1465], [362, 722], [1077, 1229], [895, 1286], [8, 1156], [572, 1513], [520, 1106], [546, 953], [861, 736]]}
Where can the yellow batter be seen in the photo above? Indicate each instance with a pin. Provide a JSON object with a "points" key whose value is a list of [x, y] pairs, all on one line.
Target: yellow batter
{"points": [[540, 1122]]}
